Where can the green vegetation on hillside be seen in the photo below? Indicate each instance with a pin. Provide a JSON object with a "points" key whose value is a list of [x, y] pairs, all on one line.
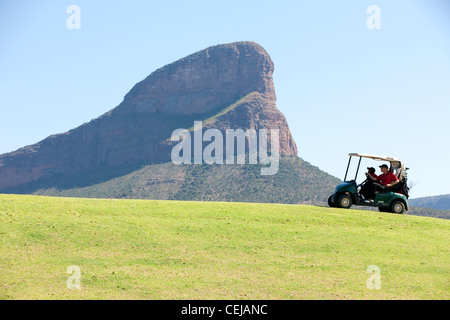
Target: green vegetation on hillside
{"points": [[429, 212], [297, 181], [223, 111], [441, 202], [144, 249]]}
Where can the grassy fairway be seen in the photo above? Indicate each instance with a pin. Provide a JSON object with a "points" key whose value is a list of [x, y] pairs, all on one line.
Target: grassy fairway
{"points": [[136, 249]]}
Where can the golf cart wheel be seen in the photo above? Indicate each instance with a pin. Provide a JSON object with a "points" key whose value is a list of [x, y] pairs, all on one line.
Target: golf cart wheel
{"points": [[331, 203], [398, 207], [344, 201]]}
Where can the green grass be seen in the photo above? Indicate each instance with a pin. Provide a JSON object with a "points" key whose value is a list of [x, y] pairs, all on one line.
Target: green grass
{"points": [[144, 249]]}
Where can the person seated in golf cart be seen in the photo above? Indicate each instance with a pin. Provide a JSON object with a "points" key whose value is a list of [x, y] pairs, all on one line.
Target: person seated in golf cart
{"points": [[386, 180], [367, 189], [371, 172]]}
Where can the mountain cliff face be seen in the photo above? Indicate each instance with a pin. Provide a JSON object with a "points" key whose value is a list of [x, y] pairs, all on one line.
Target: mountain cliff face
{"points": [[226, 86]]}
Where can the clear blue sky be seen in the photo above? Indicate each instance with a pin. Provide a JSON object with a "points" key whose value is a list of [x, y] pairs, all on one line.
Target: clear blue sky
{"points": [[342, 87]]}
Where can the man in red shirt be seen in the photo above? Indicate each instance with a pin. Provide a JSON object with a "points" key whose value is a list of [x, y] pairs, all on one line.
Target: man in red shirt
{"points": [[385, 180]]}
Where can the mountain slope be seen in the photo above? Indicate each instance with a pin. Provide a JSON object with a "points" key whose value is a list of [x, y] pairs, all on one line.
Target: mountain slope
{"points": [[441, 202], [297, 181]]}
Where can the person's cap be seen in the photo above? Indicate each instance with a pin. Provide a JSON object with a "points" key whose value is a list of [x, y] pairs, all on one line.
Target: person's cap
{"points": [[371, 169], [384, 165]]}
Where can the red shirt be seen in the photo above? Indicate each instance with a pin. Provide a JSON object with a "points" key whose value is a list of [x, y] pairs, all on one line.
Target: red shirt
{"points": [[387, 178]]}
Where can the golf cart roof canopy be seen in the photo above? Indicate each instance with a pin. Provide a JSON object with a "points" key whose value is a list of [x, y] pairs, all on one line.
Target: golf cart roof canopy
{"points": [[396, 164], [371, 156]]}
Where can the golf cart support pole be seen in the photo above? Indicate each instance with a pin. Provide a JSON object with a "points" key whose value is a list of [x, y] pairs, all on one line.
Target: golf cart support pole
{"points": [[359, 163], [348, 166]]}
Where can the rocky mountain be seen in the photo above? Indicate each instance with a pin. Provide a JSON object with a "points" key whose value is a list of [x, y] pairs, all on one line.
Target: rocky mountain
{"points": [[227, 86]]}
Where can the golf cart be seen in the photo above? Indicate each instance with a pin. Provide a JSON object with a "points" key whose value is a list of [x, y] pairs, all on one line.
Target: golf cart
{"points": [[393, 199]]}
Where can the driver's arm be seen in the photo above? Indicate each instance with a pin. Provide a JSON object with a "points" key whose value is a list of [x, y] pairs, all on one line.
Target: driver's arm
{"points": [[392, 183], [370, 176]]}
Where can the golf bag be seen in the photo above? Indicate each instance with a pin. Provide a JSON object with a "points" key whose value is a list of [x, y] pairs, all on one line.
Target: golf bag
{"points": [[404, 189]]}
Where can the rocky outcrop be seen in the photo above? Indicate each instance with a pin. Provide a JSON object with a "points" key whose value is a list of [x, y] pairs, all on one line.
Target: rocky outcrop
{"points": [[201, 86]]}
